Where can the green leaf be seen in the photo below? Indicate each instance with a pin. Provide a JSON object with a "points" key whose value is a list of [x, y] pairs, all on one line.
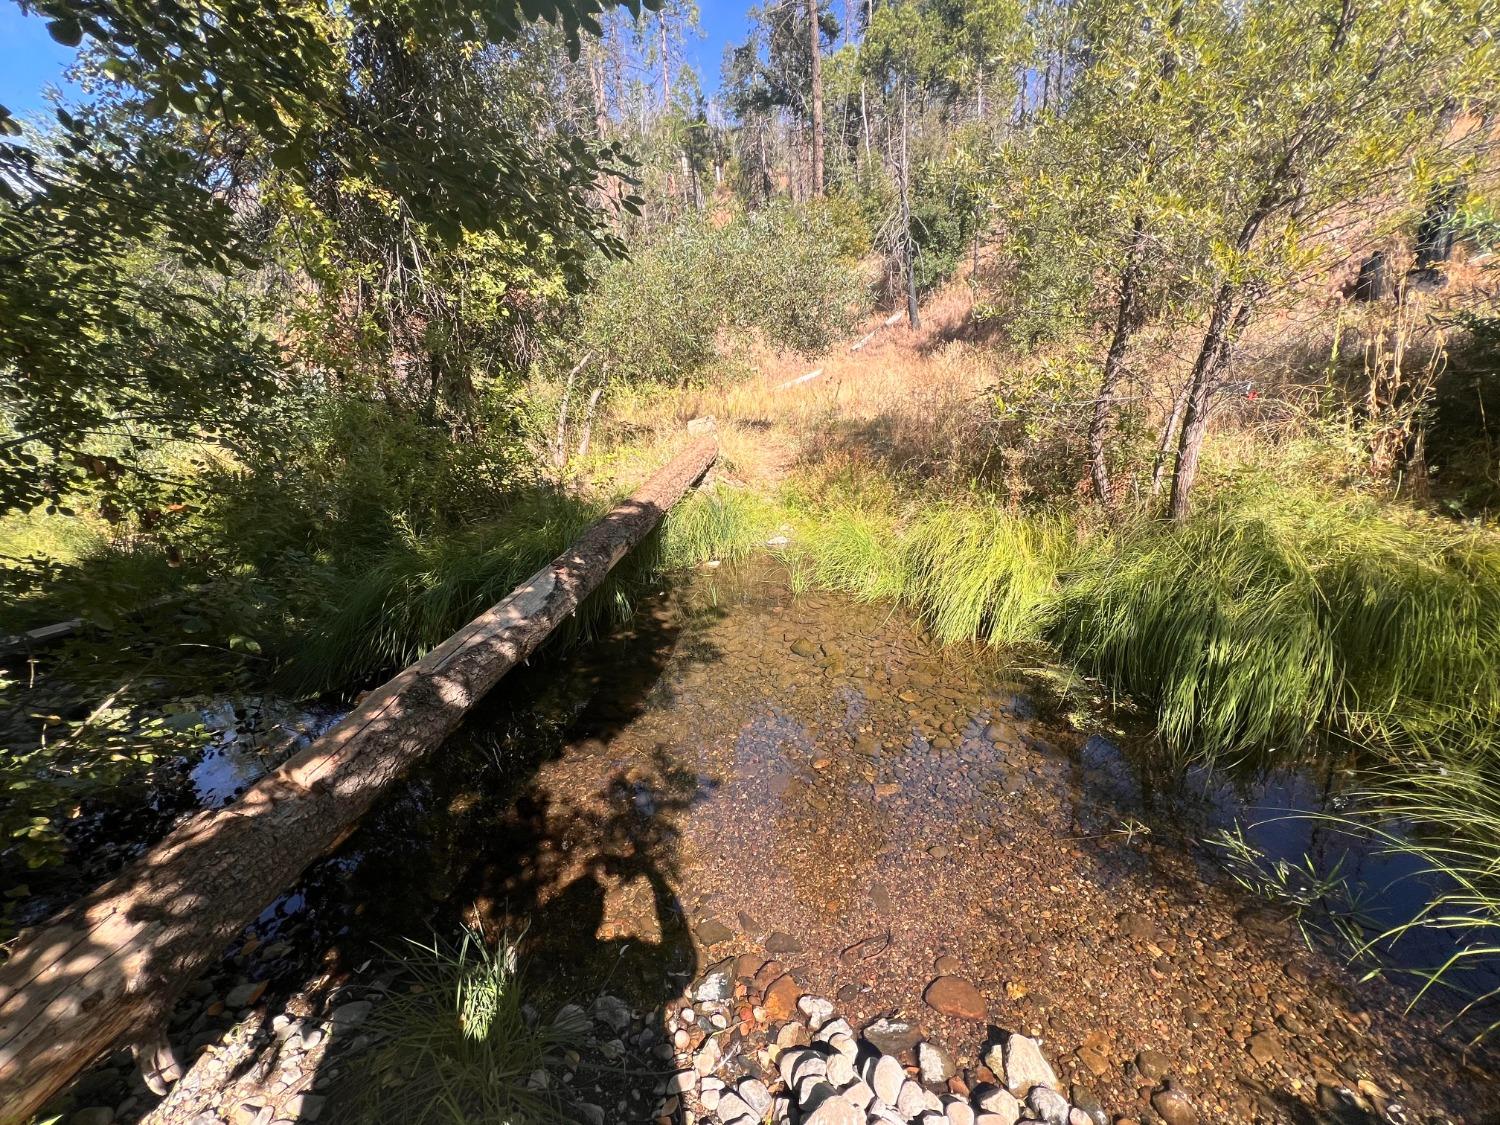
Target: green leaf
{"points": [[67, 31]]}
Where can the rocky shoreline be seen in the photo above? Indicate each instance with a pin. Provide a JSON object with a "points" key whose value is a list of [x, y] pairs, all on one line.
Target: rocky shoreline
{"points": [[753, 1047]]}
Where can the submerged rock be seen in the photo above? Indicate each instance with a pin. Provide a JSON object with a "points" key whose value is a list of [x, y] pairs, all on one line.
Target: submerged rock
{"points": [[954, 996]]}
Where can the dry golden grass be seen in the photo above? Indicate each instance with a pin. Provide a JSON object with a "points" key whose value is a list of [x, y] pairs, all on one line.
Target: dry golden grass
{"points": [[917, 400]]}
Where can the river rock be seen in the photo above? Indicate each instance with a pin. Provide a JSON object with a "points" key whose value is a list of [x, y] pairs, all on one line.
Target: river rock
{"points": [[1025, 1065], [1139, 927], [958, 1112], [244, 995], [892, 1036], [954, 996], [1264, 1047], [711, 931], [936, 1065], [909, 1099], [1153, 1064], [717, 983], [781, 998], [834, 1110], [886, 1078], [999, 1103], [817, 1010], [787, 1063], [707, 1060], [859, 1095], [754, 1094], [779, 942], [350, 1015], [1174, 1107], [840, 1070], [734, 1108], [1048, 1105], [1087, 1103], [611, 1012]]}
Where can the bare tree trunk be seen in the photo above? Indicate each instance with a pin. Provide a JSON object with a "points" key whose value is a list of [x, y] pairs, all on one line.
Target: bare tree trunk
{"points": [[666, 64], [864, 117], [913, 316], [588, 421], [559, 446], [1168, 434], [1224, 323], [111, 965], [1127, 317], [817, 98]]}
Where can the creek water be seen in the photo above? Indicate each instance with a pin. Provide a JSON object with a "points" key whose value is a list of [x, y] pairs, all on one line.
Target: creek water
{"points": [[748, 767]]}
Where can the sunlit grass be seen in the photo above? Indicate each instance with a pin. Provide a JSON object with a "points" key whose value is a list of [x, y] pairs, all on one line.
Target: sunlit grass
{"points": [[1272, 620], [459, 1045]]}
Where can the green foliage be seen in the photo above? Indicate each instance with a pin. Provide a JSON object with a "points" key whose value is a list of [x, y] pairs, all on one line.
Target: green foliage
{"points": [[945, 215], [399, 600], [1447, 817], [1273, 620], [385, 134], [775, 273], [461, 1046]]}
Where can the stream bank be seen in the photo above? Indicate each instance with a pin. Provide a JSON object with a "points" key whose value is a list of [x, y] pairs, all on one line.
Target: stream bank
{"points": [[748, 771]]}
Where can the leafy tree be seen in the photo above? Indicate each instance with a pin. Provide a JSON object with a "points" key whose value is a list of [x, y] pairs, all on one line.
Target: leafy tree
{"points": [[205, 102]]}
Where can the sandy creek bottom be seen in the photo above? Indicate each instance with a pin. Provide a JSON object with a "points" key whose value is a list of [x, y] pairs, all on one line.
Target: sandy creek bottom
{"points": [[748, 769]]}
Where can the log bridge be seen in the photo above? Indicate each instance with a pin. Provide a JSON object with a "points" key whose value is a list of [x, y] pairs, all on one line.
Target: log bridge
{"points": [[110, 967]]}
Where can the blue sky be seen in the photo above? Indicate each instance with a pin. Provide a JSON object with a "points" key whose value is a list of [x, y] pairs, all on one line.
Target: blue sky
{"points": [[723, 22], [30, 60]]}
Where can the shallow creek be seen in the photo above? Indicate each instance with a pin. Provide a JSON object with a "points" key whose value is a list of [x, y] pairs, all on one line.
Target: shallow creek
{"points": [[749, 769]]}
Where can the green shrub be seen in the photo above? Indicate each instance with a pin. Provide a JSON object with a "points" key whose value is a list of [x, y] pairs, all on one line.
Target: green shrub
{"points": [[777, 273]]}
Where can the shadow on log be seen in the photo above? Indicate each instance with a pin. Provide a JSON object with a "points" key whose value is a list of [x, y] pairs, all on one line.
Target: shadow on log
{"points": [[113, 964]]}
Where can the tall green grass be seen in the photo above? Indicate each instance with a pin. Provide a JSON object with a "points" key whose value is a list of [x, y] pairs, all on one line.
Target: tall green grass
{"points": [[1452, 815], [399, 602], [1274, 620]]}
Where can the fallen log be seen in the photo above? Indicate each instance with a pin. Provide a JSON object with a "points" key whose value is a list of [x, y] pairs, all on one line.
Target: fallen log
{"points": [[110, 966]]}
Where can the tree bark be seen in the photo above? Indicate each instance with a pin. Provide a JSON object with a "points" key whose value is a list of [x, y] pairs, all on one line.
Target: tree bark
{"points": [[1224, 324], [1168, 433], [1127, 317], [817, 98], [913, 315], [113, 963], [588, 421]]}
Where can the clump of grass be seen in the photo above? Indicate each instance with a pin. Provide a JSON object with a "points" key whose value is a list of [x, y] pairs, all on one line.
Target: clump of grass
{"points": [[461, 1046], [987, 573], [856, 550], [1452, 818], [1270, 621], [718, 522]]}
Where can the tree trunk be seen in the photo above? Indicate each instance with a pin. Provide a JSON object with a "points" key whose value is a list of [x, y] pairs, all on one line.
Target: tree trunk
{"points": [[1168, 433], [113, 963], [1127, 317], [559, 447], [588, 421], [1224, 323], [817, 98], [666, 64], [912, 313]]}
